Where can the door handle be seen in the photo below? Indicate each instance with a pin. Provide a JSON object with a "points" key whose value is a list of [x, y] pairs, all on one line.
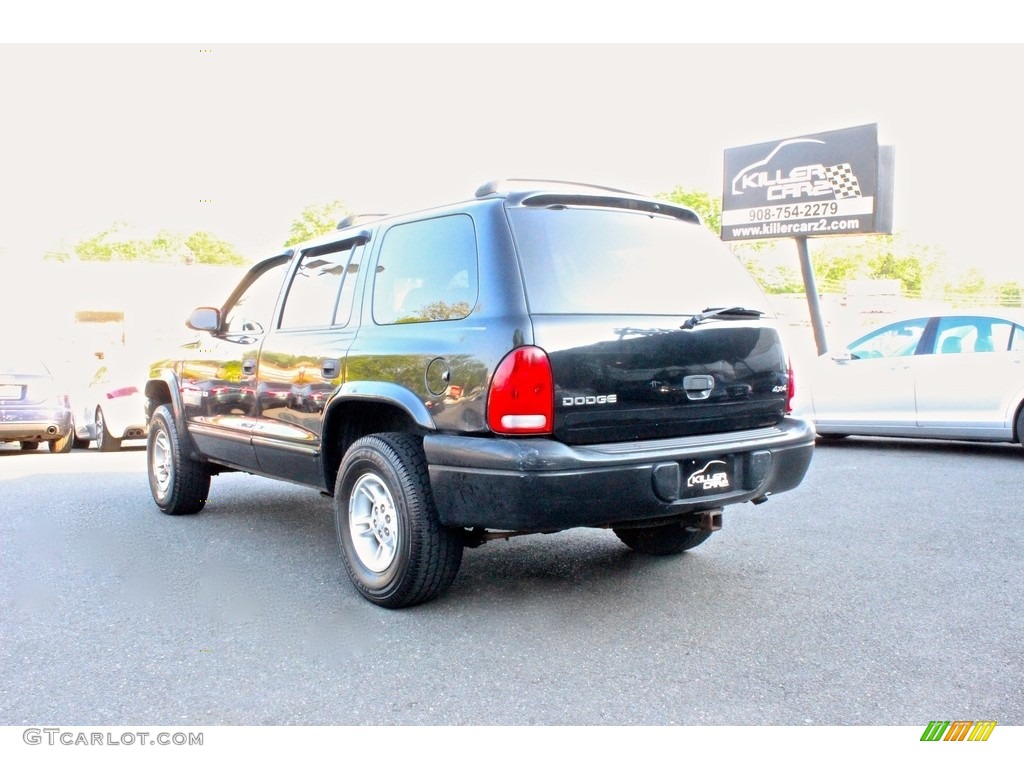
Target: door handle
{"points": [[330, 369]]}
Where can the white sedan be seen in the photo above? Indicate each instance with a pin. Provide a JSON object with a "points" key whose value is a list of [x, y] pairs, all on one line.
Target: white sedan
{"points": [[957, 376], [111, 409]]}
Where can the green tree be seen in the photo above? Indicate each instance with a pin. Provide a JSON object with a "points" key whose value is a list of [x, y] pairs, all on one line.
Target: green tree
{"points": [[94, 248], [970, 288], [912, 265], [833, 270], [784, 279], [314, 220], [165, 247], [704, 205], [777, 278], [108, 246], [210, 249], [1008, 295], [168, 247]]}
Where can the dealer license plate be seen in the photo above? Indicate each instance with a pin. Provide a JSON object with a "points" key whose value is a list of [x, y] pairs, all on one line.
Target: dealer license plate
{"points": [[707, 476], [10, 392]]}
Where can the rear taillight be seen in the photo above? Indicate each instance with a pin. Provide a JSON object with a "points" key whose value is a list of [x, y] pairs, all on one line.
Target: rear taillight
{"points": [[521, 400], [122, 392], [790, 389]]}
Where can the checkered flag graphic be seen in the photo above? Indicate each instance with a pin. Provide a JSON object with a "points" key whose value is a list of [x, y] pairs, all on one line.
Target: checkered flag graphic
{"points": [[843, 182]]}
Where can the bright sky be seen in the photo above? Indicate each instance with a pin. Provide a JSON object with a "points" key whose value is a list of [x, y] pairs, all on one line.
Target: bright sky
{"points": [[237, 139]]}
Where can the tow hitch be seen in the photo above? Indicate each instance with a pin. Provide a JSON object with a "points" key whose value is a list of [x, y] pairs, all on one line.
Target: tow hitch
{"points": [[709, 520]]}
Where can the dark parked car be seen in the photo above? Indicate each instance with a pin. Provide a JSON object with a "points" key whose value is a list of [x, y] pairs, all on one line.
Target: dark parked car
{"points": [[33, 407], [540, 357]]}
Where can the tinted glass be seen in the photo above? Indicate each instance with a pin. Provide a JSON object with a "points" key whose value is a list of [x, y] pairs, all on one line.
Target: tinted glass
{"points": [[254, 309], [967, 335], [313, 294], [586, 261], [896, 340], [1017, 339], [348, 287], [16, 364], [427, 271]]}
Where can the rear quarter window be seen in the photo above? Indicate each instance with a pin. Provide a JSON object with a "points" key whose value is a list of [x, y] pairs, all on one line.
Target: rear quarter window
{"points": [[427, 271]]}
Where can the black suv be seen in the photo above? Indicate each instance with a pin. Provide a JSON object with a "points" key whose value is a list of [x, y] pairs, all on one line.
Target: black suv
{"points": [[540, 357]]}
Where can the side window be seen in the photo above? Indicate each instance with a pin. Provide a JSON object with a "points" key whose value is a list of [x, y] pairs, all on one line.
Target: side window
{"points": [[312, 298], [1003, 336], [348, 287], [253, 311], [1016, 339], [896, 340], [427, 271], [967, 335]]}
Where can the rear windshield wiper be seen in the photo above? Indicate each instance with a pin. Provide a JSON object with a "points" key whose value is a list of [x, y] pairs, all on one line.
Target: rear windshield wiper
{"points": [[710, 312]]}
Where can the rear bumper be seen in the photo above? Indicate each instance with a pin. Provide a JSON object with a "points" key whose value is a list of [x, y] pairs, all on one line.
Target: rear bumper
{"points": [[544, 485], [36, 425], [125, 417]]}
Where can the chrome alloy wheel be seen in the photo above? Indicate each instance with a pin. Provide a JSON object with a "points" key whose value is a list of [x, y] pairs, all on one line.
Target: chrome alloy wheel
{"points": [[101, 429], [373, 523], [161, 463]]}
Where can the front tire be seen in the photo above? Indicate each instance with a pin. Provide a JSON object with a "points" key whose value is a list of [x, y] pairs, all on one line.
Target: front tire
{"points": [[105, 442], [395, 550], [179, 483], [671, 539]]}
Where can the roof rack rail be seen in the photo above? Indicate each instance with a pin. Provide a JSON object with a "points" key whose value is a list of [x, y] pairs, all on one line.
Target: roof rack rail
{"points": [[358, 218], [507, 185]]}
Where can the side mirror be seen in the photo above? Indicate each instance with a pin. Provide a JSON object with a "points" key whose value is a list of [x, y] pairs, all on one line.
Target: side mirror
{"points": [[204, 319]]}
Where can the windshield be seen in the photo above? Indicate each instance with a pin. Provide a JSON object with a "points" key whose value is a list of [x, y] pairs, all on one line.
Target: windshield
{"points": [[600, 261]]}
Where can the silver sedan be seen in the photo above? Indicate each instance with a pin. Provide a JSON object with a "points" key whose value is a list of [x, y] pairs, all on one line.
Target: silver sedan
{"points": [[957, 376]]}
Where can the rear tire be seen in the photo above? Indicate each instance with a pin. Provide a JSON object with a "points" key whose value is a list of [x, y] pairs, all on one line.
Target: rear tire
{"points": [[105, 442], [179, 483], [28, 445], [396, 551], [668, 539]]}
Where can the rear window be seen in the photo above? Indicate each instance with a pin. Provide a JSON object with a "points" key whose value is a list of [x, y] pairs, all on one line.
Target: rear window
{"points": [[599, 261], [19, 364]]}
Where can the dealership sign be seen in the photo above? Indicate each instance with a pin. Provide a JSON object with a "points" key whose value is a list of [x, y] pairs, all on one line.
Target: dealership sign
{"points": [[834, 183]]}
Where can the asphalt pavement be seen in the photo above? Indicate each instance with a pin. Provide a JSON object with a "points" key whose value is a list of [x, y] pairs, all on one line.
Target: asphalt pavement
{"points": [[886, 590]]}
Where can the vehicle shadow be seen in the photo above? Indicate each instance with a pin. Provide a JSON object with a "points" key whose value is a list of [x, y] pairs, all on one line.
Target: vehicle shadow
{"points": [[13, 449], [853, 443], [578, 564], [582, 564]]}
